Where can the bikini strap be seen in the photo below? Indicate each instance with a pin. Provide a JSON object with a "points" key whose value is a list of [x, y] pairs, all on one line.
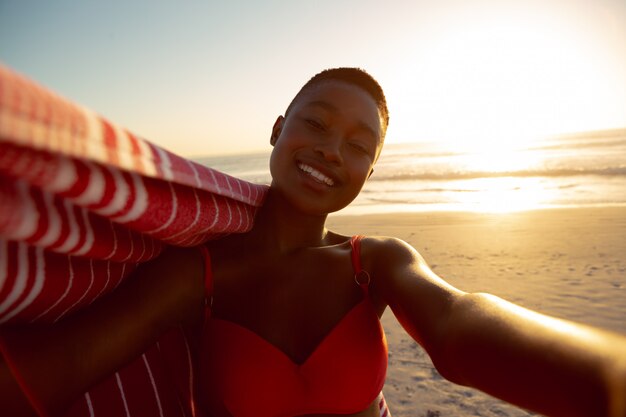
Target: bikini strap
{"points": [[208, 282], [361, 276]]}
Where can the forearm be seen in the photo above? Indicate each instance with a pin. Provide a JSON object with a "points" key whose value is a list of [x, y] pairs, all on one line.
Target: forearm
{"points": [[549, 365], [61, 361]]}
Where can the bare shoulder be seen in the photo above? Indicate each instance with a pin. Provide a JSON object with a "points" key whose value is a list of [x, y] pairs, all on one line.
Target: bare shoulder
{"points": [[419, 298], [401, 264], [391, 255], [389, 245]]}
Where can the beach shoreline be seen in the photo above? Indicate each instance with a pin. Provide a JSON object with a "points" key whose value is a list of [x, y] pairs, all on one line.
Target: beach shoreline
{"points": [[566, 262]]}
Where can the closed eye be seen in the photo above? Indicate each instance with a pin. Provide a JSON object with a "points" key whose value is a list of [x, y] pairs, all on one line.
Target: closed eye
{"points": [[359, 147], [315, 124]]}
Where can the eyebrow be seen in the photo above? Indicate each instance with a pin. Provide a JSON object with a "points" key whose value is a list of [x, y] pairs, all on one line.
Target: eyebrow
{"points": [[333, 109]]}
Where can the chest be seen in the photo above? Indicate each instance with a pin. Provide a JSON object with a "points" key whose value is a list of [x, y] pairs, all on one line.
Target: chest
{"points": [[292, 302]]}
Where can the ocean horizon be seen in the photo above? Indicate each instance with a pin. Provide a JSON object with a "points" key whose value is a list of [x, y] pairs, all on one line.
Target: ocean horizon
{"points": [[586, 169]]}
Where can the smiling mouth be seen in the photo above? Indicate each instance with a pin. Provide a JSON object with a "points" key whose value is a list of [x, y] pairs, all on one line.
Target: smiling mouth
{"points": [[316, 175]]}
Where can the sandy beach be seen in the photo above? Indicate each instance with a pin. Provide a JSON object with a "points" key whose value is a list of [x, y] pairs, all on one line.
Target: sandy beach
{"points": [[570, 263]]}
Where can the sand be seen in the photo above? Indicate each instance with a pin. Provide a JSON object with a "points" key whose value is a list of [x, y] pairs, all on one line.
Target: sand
{"points": [[570, 263]]}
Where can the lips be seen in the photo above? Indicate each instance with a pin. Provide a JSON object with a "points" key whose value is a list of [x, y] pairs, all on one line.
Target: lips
{"points": [[316, 174]]}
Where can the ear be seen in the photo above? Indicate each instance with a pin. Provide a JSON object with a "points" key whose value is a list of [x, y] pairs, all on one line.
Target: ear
{"points": [[278, 127]]}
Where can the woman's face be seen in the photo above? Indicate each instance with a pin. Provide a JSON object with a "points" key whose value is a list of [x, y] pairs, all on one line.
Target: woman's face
{"points": [[325, 148]]}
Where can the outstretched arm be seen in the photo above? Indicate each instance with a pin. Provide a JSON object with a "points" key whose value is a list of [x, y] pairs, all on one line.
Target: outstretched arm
{"points": [[553, 366], [59, 362]]}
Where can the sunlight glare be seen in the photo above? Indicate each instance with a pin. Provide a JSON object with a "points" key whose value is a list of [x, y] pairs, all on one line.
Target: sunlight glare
{"points": [[500, 160], [504, 77], [503, 194]]}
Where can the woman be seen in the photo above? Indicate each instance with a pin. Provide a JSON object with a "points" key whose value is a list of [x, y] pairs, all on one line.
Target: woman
{"points": [[294, 307]]}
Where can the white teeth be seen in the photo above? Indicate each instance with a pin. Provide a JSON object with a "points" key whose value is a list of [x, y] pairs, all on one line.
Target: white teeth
{"points": [[316, 174]]}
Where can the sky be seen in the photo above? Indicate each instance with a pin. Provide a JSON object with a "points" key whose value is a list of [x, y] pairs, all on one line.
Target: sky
{"points": [[210, 77]]}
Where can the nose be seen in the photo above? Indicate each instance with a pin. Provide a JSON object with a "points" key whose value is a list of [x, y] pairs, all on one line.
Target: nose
{"points": [[330, 150]]}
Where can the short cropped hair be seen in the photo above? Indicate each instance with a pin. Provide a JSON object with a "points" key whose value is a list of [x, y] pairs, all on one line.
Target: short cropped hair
{"points": [[357, 77]]}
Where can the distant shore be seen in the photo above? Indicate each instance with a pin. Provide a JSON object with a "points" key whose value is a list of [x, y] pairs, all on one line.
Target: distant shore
{"points": [[570, 263]]}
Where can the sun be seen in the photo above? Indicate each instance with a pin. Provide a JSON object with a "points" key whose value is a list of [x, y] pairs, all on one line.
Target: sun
{"points": [[506, 77]]}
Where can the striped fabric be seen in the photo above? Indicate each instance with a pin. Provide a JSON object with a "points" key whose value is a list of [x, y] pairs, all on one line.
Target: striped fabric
{"points": [[158, 384], [382, 406], [82, 202]]}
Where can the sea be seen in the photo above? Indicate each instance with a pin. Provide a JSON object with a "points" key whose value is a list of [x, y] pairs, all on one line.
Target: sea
{"points": [[575, 170]]}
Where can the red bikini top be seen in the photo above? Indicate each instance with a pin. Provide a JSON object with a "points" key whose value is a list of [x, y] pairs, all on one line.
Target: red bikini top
{"points": [[249, 377]]}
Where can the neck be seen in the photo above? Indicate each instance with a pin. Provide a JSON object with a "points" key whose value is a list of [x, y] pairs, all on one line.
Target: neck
{"points": [[280, 227]]}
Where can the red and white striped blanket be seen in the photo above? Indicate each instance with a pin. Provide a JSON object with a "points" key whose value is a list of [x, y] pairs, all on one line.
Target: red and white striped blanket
{"points": [[82, 202]]}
